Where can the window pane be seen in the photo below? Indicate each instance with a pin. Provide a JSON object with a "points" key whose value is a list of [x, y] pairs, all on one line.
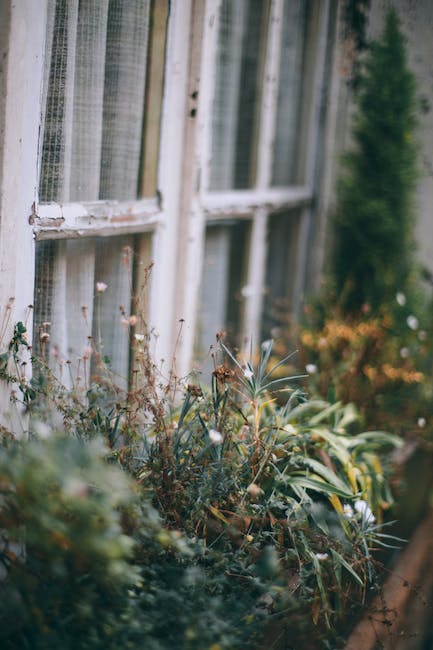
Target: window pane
{"points": [[285, 169], [70, 309], [113, 268], [43, 307], [235, 113], [64, 297], [223, 276], [58, 93], [281, 265], [125, 69], [94, 97]]}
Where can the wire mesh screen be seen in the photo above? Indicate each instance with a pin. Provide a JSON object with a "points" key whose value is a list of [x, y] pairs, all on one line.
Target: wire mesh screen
{"points": [[94, 98], [43, 294], [239, 78], [85, 292]]}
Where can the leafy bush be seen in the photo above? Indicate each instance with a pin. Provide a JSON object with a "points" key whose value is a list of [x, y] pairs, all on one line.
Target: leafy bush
{"points": [[370, 333], [380, 363], [220, 522], [64, 556], [85, 563]]}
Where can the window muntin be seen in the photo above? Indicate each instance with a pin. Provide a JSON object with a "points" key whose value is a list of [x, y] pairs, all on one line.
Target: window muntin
{"points": [[289, 66]]}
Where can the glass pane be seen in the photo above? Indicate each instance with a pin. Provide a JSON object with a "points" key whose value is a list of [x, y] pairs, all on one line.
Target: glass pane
{"points": [[235, 112], [93, 99], [112, 308], [281, 265], [221, 302], [70, 308], [43, 297], [285, 169], [125, 70], [63, 301]]}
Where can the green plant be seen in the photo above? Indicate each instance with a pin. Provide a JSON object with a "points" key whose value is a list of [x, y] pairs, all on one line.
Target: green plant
{"points": [[367, 340], [381, 364], [64, 555], [243, 510], [372, 256], [274, 485], [86, 561]]}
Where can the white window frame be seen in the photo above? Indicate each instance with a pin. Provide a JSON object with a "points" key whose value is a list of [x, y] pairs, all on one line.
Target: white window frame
{"points": [[157, 216], [19, 146], [254, 204], [177, 218]]}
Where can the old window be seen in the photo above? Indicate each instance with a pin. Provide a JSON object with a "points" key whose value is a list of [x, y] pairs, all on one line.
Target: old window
{"points": [[98, 203], [185, 132], [267, 63]]}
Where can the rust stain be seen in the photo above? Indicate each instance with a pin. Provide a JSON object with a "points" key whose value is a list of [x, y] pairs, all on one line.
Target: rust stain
{"points": [[123, 218]]}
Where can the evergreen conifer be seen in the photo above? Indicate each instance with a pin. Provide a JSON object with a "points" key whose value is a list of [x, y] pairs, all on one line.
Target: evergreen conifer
{"points": [[373, 222]]}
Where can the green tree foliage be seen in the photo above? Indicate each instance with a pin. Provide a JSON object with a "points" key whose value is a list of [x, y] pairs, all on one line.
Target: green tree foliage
{"points": [[373, 222]]}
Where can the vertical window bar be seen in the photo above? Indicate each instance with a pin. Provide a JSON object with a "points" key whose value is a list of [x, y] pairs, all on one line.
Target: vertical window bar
{"points": [[257, 252], [207, 89], [196, 161], [253, 291], [153, 99], [269, 97]]}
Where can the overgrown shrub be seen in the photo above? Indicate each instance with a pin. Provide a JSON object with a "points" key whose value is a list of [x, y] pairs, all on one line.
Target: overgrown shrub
{"points": [[369, 334], [87, 563], [220, 522], [65, 579], [381, 363]]}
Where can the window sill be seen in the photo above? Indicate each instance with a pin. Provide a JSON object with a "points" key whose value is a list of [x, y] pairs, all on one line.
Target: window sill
{"points": [[60, 221]]}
